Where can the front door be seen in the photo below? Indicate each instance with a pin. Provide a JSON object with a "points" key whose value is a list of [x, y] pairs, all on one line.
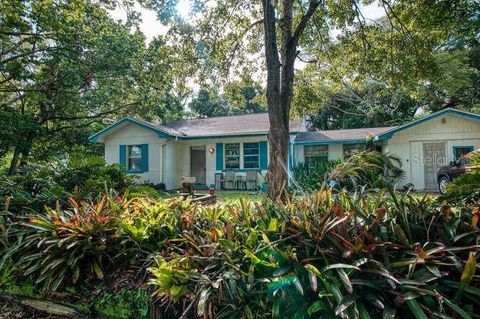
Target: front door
{"points": [[433, 159], [198, 164]]}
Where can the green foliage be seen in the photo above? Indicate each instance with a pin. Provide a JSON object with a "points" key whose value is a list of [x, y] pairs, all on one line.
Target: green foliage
{"points": [[139, 191], [420, 54], [65, 246], [465, 189], [240, 97], [41, 184], [15, 128], [325, 255], [372, 104], [370, 169], [311, 178], [67, 66], [125, 304]]}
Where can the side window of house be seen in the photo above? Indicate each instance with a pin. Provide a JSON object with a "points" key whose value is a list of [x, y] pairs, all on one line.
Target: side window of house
{"points": [[352, 149], [251, 155], [232, 155], [314, 154], [459, 151], [134, 157]]}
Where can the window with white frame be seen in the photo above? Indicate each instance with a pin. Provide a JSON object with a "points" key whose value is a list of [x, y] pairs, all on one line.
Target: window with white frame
{"points": [[134, 158], [251, 155], [315, 154], [232, 155]]}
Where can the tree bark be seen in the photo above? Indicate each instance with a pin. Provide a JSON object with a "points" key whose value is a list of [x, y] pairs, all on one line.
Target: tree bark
{"points": [[14, 161], [276, 136], [280, 76]]}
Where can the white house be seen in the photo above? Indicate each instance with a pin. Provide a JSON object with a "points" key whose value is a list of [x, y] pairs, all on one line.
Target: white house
{"points": [[209, 147]]}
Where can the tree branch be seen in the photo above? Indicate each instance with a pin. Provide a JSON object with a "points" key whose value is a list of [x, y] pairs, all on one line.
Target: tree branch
{"points": [[313, 5]]}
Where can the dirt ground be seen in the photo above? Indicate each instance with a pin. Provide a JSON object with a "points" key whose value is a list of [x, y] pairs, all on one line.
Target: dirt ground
{"points": [[12, 310]]}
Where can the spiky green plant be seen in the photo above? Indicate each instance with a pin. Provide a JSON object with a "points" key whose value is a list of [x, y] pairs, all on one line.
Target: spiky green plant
{"points": [[326, 255], [368, 168], [465, 189], [311, 178], [65, 246]]}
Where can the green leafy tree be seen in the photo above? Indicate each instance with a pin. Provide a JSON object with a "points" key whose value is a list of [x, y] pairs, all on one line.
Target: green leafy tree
{"points": [[65, 66], [207, 104], [239, 97], [424, 52]]}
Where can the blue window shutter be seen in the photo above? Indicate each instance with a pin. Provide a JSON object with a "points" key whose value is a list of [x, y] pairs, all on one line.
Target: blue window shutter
{"points": [[263, 155], [122, 159], [219, 149], [145, 157]]}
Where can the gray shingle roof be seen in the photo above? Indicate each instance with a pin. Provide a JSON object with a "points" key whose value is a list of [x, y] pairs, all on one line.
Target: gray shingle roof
{"points": [[226, 125], [163, 128], [340, 135]]}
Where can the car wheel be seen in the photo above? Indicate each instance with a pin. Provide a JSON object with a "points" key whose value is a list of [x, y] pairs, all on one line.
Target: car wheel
{"points": [[442, 184]]}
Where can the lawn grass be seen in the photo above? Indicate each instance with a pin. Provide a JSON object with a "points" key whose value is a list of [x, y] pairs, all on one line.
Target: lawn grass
{"points": [[226, 196], [234, 196], [222, 196]]}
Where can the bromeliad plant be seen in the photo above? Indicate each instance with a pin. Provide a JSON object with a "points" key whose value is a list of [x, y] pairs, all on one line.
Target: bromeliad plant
{"points": [[328, 255], [324, 255], [67, 246]]}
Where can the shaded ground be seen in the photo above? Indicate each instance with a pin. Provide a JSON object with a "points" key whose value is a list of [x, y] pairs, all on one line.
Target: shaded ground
{"points": [[12, 310]]}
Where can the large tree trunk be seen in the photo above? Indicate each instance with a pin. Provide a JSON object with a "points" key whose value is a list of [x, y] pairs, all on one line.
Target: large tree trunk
{"points": [[279, 94], [280, 86], [276, 175]]}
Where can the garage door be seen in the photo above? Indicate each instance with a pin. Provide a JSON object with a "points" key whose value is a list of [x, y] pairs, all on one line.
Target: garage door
{"points": [[433, 159]]}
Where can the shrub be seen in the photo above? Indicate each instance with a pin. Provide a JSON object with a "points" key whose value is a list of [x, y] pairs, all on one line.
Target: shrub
{"points": [[125, 304], [312, 178], [371, 169], [323, 256], [65, 246], [43, 184]]}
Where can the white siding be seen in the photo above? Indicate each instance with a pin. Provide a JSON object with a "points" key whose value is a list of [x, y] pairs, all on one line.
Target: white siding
{"points": [[182, 156], [335, 152], [131, 135], [408, 144], [175, 155]]}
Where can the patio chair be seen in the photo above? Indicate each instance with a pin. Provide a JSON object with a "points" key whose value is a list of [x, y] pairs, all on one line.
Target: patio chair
{"points": [[229, 181], [251, 180]]}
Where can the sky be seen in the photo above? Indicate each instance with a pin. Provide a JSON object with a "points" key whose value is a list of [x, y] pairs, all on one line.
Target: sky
{"points": [[151, 27]]}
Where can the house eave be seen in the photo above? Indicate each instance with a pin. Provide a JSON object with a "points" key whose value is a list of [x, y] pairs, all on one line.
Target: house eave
{"points": [[98, 137], [389, 134], [332, 142]]}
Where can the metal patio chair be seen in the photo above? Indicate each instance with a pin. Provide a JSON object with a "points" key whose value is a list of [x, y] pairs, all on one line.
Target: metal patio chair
{"points": [[229, 181], [251, 180]]}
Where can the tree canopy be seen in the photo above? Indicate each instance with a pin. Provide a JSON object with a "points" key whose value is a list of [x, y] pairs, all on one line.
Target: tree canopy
{"points": [[66, 67]]}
